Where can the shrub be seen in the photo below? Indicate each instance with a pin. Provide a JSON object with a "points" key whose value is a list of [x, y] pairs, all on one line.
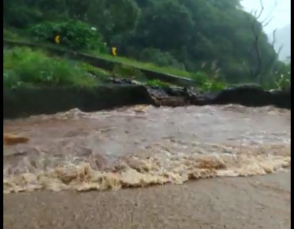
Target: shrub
{"points": [[212, 86], [283, 76], [157, 83], [208, 83], [24, 67], [199, 77], [128, 72], [284, 82], [280, 76], [22, 16], [100, 74], [7, 34], [73, 34], [159, 58]]}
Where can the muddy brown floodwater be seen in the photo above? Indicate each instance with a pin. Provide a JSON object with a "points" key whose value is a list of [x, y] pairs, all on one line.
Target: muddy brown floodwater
{"points": [[143, 146]]}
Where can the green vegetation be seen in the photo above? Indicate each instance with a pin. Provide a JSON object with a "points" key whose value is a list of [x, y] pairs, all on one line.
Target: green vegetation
{"points": [[9, 34], [156, 83], [128, 72], [73, 35], [283, 76], [100, 74], [144, 65], [214, 42], [24, 67]]}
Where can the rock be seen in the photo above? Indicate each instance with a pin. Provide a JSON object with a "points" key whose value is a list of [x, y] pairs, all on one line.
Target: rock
{"points": [[175, 91], [246, 95], [157, 92], [22, 102], [172, 101], [120, 81]]}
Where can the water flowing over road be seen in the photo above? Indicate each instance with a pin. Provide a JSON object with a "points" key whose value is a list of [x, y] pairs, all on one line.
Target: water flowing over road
{"points": [[143, 145]]}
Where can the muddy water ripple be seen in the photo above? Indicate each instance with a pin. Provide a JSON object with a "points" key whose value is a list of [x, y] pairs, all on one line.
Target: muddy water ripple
{"points": [[143, 145]]}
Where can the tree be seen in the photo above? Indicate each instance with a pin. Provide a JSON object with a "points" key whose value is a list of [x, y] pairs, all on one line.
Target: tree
{"points": [[113, 17], [181, 33], [165, 25], [263, 58]]}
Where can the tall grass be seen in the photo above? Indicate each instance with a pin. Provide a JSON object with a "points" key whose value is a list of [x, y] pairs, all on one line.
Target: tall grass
{"points": [[24, 67]]}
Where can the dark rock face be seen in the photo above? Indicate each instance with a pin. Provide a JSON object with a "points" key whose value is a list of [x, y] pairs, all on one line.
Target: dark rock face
{"points": [[23, 102], [32, 101], [122, 81], [245, 95]]}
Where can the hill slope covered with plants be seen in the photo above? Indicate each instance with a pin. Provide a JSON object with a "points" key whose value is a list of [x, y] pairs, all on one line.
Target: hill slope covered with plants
{"points": [[212, 36]]}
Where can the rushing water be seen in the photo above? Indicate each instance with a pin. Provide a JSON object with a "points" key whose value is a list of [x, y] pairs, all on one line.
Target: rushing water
{"points": [[143, 145]]}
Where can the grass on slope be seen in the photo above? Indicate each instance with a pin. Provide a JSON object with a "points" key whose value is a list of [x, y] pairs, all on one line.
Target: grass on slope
{"points": [[144, 65], [206, 82], [15, 35], [24, 67]]}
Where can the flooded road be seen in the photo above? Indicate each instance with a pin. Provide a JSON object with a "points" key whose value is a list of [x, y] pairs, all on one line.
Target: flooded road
{"points": [[143, 145]]}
